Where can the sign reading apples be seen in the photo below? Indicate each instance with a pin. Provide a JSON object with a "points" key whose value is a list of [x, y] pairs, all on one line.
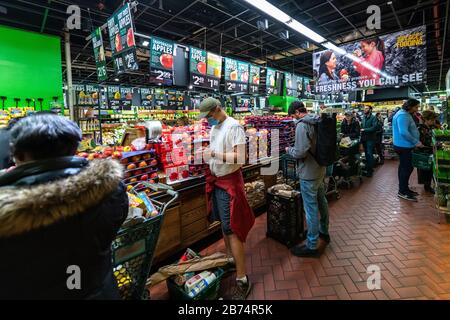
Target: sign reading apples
{"points": [[161, 61], [121, 37], [236, 75]]}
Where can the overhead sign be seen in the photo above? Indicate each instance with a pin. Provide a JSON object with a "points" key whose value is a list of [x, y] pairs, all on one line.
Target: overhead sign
{"points": [[99, 54], [294, 84], [397, 59], [114, 97], [121, 37], [161, 61], [255, 79], [236, 75], [271, 81], [205, 69], [146, 97]]}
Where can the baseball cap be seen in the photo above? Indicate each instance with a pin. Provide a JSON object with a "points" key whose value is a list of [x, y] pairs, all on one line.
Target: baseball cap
{"points": [[206, 106]]}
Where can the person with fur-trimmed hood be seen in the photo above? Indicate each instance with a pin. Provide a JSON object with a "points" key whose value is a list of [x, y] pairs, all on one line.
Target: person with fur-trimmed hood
{"points": [[58, 215]]}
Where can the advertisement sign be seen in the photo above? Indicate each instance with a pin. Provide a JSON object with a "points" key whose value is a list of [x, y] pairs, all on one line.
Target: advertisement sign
{"points": [[205, 69], [146, 97], [161, 61], [92, 94], [271, 81], [293, 84], [307, 88], [114, 96], [236, 75], [255, 74], [99, 54], [126, 94], [121, 37], [397, 59]]}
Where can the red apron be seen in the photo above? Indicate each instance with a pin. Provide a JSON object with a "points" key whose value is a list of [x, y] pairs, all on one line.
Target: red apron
{"points": [[241, 215]]}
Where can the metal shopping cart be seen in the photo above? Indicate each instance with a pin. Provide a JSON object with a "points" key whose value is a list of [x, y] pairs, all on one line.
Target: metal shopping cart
{"points": [[134, 246]]}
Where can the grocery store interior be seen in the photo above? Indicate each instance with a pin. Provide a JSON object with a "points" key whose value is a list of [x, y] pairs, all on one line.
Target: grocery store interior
{"points": [[113, 115]]}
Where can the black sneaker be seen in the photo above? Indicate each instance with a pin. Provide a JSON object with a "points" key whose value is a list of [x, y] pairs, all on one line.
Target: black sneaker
{"points": [[325, 237], [408, 197], [413, 193], [304, 251], [242, 290]]}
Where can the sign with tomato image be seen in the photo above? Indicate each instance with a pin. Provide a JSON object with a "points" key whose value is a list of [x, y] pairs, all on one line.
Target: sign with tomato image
{"points": [[121, 37], [255, 74], [161, 61], [236, 75], [99, 54], [271, 81]]}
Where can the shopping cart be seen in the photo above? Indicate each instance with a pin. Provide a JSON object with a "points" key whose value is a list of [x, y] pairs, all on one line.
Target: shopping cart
{"points": [[349, 165], [134, 246]]}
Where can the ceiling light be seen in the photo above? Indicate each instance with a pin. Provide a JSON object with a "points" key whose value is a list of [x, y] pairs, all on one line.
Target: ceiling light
{"points": [[116, 79], [145, 43], [333, 47], [281, 16]]}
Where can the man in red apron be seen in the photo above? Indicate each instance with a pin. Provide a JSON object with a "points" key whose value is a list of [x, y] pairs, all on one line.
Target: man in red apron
{"points": [[225, 186]]}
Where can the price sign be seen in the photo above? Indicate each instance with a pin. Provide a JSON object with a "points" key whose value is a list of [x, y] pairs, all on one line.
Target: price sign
{"points": [[255, 74], [271, 81], [205, 69], [121, 37], [114, 97], [161, 61], [236, 75], [99, 54], [146, 97]]}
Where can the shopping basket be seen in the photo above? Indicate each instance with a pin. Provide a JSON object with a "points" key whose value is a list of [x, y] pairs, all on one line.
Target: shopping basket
{"points": [[134, 246], [289, 168], [422, 160]]}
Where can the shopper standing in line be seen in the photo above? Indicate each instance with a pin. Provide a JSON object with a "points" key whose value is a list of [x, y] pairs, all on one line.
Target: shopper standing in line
{"points": [[426, 137], [225, 186], [350, 126], [406, 137], [369, 127], [58, 211], [311, 176]]}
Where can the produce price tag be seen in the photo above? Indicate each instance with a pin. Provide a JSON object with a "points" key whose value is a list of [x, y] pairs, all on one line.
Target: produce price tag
{"points": [[271, 81], [205, 69], [121, 37], [146, 97], [255, 74], [236, 75], [99, 54], [161, 61], [114, 97]]}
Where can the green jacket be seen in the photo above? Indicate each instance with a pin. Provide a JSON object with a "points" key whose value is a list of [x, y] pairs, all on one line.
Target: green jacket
{"points": [[370, 126]]}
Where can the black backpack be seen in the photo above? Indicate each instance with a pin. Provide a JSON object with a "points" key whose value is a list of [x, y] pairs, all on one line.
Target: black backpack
{"points": [[326, 144]]}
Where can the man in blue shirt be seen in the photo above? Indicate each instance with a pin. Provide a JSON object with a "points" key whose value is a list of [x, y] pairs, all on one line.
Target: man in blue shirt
{"points": [[406, 137]]}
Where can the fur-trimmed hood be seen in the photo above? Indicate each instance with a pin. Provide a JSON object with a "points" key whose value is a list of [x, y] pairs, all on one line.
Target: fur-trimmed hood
{"points": [[26, 208]]}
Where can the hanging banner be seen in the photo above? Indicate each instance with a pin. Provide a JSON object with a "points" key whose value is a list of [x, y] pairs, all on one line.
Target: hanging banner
{"points": [[307, 88], [121, 37], [114, 97], [99, 54], [205, 69], [126, 100], [293, 84], [236, 75], [271, 81], [397, 59], [92, 94], [161, 61], [255, 74], [146, 97]]}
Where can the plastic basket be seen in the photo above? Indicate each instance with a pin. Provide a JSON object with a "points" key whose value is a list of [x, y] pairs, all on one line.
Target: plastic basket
{"points": [[177, 292], [422, 161], [133, 251], [289, 167]]}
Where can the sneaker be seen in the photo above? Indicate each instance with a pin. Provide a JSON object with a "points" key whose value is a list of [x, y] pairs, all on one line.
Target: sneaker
{"points": [[325, 237], [408, 197], [413, 193], [242, 290], [304, 251]]}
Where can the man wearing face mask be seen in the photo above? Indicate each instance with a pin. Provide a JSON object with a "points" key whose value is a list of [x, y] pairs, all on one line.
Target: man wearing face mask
{"points": [[225, 186], [369, 126]]}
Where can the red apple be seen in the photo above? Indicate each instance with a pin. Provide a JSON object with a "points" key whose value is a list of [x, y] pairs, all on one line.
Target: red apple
{"points": [[154, 175], [130, 37], [120, 149], [137, 173], [142, 164], [152, 181], [107, 153], [118, 43], [154, 162], [201, 67], [185, 174], [144, 177], [173, 176], [131, 166], [166, 60], [117, 155]]}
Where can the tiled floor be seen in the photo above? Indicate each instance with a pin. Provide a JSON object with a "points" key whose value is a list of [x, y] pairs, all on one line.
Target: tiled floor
{"points": [[369, 226]]}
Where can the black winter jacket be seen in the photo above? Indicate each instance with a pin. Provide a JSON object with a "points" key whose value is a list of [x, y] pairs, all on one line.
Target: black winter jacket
{"points": [[351, 129], [55, 214]]}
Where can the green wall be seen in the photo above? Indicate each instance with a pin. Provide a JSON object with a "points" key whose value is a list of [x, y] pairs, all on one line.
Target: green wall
{"points": [[30, 66]]}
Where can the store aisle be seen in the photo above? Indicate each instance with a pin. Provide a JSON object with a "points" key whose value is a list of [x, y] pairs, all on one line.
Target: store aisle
{"points": [[369, 226]]}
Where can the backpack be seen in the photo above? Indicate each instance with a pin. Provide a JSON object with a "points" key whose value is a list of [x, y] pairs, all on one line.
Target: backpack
{"points": [[326, 140]]}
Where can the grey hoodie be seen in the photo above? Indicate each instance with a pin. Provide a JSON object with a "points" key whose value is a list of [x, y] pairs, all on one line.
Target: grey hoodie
{"points": [[305, 140]]}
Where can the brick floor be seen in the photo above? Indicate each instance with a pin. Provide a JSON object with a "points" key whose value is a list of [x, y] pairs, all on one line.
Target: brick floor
{"points": [[368, 225]]}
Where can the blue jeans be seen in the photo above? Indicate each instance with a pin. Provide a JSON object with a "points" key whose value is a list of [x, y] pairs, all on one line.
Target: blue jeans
{"points": [[369, 147], [221, 209], [314, 202]]}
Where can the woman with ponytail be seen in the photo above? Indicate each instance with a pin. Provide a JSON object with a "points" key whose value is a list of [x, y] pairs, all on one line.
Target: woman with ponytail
{"points": [[374, 55]]}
